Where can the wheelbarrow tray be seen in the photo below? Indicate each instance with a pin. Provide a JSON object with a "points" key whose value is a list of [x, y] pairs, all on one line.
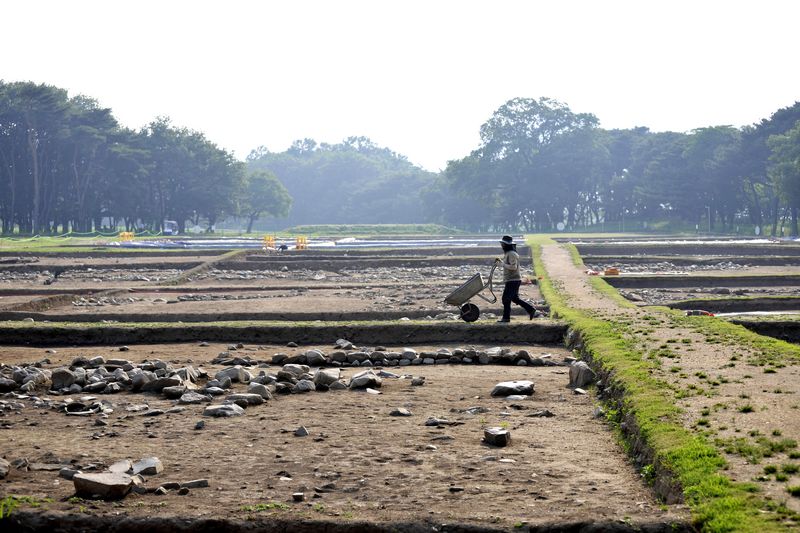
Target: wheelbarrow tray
{"points": [[470, 288]]}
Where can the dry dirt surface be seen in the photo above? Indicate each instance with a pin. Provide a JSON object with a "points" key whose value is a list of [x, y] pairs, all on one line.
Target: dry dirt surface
{"points": [[357, 463], [419, 291], [747, 405]]}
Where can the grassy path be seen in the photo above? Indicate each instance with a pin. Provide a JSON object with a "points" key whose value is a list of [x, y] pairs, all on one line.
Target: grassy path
{"points": [[710, 410]]}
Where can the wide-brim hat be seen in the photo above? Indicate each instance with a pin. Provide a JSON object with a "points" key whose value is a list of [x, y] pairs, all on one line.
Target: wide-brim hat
{"points": [[507, 239]]}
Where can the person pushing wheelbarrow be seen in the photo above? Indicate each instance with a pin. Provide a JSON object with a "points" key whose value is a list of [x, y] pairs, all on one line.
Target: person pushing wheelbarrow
{"points": [[512, 280]]}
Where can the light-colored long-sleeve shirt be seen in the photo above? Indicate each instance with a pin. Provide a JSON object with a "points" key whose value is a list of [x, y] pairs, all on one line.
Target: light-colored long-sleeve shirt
{"points": [[511, 266]]}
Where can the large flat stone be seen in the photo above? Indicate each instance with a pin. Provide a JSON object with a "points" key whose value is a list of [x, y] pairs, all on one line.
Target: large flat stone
{"points": [[105, 486], [507, 388]]}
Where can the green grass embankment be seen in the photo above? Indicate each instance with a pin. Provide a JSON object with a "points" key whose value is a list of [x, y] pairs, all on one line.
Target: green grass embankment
{"points": [[647, 406]]}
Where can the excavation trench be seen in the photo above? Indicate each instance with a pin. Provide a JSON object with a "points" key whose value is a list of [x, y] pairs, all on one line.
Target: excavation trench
{"points": [[30, 522], [550, 333]]}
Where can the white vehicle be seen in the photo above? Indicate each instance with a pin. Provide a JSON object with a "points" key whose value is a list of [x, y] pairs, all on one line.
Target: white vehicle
{"points": [[170, 227]]}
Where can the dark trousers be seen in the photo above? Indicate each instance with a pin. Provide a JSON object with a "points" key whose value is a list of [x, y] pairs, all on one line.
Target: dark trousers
{"points": [[511, 294]]}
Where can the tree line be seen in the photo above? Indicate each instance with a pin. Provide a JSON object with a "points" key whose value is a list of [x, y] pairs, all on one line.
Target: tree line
{"points": [[352, 182], [542, 167], [67, 165]]}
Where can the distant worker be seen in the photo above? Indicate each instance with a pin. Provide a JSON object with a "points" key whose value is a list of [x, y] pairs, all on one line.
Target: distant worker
{"points": [[512, 279]]}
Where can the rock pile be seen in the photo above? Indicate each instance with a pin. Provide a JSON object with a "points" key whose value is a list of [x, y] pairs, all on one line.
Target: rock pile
{"points": [[345, 354], [125, 476], [100, 376]]}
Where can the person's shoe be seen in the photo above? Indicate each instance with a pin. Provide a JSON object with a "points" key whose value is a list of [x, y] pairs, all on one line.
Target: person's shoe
{"points": [[535, 314], [503, 321]]}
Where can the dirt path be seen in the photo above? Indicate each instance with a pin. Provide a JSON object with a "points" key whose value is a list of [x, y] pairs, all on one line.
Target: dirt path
{"points": [[739, 398]]}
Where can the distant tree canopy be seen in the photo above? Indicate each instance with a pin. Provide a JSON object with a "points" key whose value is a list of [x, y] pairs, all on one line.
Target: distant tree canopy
{"points": [[67, 165], [542, 167], [352, 182]]}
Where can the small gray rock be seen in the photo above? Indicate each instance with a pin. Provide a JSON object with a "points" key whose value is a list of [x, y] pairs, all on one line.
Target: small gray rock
{"points": [[121, 467], [228, 409], [173, 393], [68, 473], [193, 398], [149, 466], [496, 436], [315, 358], [260, 389], [248, 398], [304, 385], [327, 376], [507, 388], [296, 371], [195, 484], [159, 384], [62, 378], [236, 374], [580, 375], [366, 379]]}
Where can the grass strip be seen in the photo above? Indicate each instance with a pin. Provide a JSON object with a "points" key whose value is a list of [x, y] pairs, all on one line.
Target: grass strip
{"points": [[717, 503], [770, 351]]}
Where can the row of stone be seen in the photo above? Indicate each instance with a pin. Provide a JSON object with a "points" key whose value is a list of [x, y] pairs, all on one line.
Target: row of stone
{"points": [[406, 357]]}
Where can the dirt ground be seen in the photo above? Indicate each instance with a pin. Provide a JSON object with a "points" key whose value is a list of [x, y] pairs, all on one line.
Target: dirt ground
{"points": [[562, 469], [733, 394], [691, 291], [299, 290], [567, 467]]}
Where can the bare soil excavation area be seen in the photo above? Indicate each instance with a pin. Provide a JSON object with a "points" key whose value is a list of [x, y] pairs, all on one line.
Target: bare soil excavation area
{"points": [[292, 289], [746, 403], [357, 463]]}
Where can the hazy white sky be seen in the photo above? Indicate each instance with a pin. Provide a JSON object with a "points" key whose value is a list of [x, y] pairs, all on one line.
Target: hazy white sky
{"points": [[419, 77]]}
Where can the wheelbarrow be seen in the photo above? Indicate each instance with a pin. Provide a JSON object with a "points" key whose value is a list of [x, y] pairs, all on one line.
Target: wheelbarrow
{"points": [[460, 297]]}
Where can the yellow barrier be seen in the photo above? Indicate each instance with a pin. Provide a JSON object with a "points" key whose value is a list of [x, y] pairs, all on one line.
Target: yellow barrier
{"points": [[301, 243], [126, 236], [269, 241]]}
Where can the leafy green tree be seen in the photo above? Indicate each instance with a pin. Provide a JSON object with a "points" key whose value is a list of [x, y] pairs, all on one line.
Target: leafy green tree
{"points": [[785, 170], [512, 171], [85, 152], [752, 160], [188, 177], [264, 195], [710, 185]]}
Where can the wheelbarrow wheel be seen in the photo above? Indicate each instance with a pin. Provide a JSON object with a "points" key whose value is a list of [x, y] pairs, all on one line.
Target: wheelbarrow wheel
{"points": [[470, 312]]}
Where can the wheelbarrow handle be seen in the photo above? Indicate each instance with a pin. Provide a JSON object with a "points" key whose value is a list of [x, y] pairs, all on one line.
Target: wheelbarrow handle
{"points": [[489, 284]]}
